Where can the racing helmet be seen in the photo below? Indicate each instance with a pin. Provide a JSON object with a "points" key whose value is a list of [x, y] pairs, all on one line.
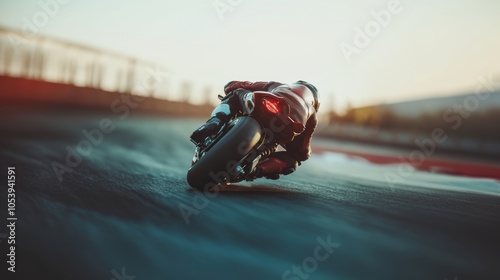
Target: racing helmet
{"points": [[314, 91]]}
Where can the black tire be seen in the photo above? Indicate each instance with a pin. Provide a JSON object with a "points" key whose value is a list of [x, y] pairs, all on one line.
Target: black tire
{"points": [[238, 141]]}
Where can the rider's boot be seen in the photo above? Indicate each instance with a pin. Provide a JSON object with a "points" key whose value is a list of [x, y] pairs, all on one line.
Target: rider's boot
{"points": [[220, 115], [278, 163]]}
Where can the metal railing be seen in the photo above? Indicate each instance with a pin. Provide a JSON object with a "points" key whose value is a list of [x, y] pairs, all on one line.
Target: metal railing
{"points": [[48, 59]]}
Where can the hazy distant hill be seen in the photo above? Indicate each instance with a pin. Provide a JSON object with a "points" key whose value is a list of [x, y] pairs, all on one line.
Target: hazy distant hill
{"points": [[424, 115], [416, 108], [403, 123]]}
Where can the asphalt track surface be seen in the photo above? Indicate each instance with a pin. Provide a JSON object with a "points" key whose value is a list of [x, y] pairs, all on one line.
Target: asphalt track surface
{"points": [[118, 213]]}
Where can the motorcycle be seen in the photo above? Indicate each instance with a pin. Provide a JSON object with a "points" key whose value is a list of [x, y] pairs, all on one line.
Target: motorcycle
{"points": [[232, 154]]}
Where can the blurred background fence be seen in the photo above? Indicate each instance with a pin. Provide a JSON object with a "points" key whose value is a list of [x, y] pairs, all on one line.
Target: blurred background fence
{"points": [[52, 71], [47, 59]]}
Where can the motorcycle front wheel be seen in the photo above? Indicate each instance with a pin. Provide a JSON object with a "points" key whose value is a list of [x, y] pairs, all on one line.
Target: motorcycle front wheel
{"points": [[217, 165]]}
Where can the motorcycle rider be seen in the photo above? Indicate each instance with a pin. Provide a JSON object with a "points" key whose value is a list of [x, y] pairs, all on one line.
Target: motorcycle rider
{"points": [[304, 104]]}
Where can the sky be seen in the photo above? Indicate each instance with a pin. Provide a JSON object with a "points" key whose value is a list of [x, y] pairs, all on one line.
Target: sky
{"points": [[415, 49]]}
